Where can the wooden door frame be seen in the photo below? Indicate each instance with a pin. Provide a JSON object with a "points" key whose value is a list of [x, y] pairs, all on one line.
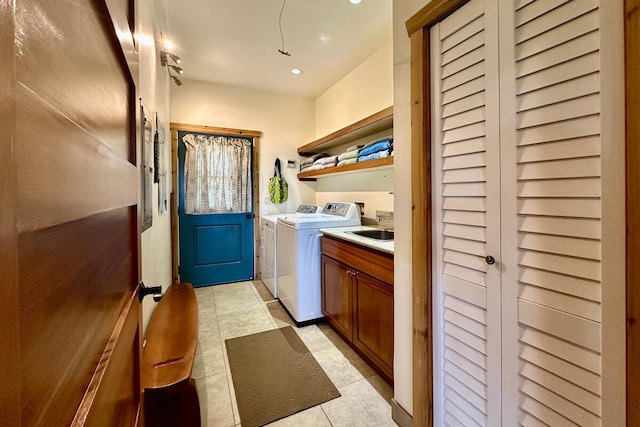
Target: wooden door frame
{"points": [[237, 133], [632, 138], [421, 217], [421, 214]]}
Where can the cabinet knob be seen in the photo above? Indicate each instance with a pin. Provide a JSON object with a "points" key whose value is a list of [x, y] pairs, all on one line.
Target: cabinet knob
{"points": [[490, 260]]}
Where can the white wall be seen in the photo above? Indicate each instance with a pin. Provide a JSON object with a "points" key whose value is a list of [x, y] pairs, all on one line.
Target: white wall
{"points": [[153, 88], [286, 122], [403, 391], [364, 91]]}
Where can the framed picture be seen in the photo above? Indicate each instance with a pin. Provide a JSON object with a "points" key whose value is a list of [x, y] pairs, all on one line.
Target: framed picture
{"points": [[147, 124]]}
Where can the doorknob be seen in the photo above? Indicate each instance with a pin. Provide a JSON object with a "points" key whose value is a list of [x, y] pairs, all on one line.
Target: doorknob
{"points": [[490, 260], [250, 215]]}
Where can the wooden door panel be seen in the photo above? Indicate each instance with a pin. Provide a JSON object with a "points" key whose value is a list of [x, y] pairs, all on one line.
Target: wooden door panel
{"points": [[373, 333], [337, 296], [75, 280], [73, 64], [69, 228], [65, 174]]}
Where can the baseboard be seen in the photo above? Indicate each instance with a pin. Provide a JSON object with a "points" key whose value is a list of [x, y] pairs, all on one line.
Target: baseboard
{"points": [[399, 415]]}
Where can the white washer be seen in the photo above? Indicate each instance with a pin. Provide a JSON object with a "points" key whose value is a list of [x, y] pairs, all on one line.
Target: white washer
{"points": [[298, 261], [268, 253]]}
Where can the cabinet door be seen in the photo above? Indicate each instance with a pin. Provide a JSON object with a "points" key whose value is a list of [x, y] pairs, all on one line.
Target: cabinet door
{"points": [[337, 295], [373, 334]]}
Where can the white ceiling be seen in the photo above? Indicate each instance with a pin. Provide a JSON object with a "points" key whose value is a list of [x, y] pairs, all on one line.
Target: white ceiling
{"points": [[236, 42]]}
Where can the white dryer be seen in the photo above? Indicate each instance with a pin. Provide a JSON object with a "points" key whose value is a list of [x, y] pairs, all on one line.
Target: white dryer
{"points": [[298, 261], [268, 250]]}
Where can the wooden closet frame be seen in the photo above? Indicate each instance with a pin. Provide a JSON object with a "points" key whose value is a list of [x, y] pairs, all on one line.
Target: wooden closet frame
{"points": [[422, 339], [175, 235]]}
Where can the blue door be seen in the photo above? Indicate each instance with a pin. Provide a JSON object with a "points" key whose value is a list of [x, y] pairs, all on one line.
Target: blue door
{"points": [[214, 248]]}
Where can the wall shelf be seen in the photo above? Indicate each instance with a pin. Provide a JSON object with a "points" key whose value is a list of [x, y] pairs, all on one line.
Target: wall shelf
{"points": [[368, 126], [337, 170]]}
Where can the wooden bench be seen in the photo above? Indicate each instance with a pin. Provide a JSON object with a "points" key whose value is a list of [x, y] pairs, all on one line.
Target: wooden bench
{"points": [[170, 396]]}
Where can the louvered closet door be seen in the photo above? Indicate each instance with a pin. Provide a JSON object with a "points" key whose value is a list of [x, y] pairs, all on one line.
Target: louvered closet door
{"points": [[516, 154], [556, 146], [467, 218]]}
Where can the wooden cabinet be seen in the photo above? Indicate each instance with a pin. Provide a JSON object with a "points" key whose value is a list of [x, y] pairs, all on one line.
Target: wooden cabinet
{"points": [[371, 125], [357, 299], [337, 295]]}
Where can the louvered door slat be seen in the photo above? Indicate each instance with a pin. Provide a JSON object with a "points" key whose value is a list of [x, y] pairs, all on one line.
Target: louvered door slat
{"points": [[468, 146], [468, 103], [578, 67], [476, 401], [466, 32], [466, 76], [561, 245], [577, 395], [574, 227], [455, 417], [563, 369], [536, 8], [577, 167], [558, 35], [577, 286], [464, 175], [556, 55], [562, 302], [570, 266], [559, 188], [561, 111], [462, 119], [574, 413], [467, 379], [589, 146], [567, 12], [578, 356], [467, 358], [581, 127], [463, 48]]}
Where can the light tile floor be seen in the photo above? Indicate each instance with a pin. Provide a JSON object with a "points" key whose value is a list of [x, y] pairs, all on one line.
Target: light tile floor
{"points": [[243, 308]]}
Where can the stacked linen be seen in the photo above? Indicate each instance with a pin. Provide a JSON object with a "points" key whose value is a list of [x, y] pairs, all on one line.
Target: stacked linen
{"points": [[376, 150], [350, 155], [328, 162], [312, 163]]}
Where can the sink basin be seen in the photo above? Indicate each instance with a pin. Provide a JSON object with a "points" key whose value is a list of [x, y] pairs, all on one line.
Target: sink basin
{"points": [[375, 234]]}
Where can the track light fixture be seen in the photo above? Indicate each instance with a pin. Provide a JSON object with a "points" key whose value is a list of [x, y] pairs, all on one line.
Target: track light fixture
{"points": [[164, 58], [176, 69]]}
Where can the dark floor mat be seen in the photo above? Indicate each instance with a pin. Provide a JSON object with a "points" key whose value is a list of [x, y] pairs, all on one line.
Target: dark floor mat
{"points": [[274, 376]]}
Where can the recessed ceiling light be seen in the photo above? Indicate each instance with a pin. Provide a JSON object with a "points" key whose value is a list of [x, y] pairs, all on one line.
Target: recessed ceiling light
{"points": [[354, 1], [296, 71]]}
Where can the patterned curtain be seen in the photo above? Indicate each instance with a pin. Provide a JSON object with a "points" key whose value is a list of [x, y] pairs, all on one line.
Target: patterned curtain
{"points": [[217, 174]]}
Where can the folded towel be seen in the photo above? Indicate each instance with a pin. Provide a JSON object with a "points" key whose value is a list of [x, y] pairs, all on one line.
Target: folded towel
{"points": [[329, 165], [347, 161], [378, 146], [355, 147], [330, 159], [348, 155], [319, 161], [386, 138], [310, 160], [373, 156], [311, 168]]}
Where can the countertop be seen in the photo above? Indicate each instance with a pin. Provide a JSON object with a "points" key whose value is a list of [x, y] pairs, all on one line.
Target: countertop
{"points": [[343, 233]]}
